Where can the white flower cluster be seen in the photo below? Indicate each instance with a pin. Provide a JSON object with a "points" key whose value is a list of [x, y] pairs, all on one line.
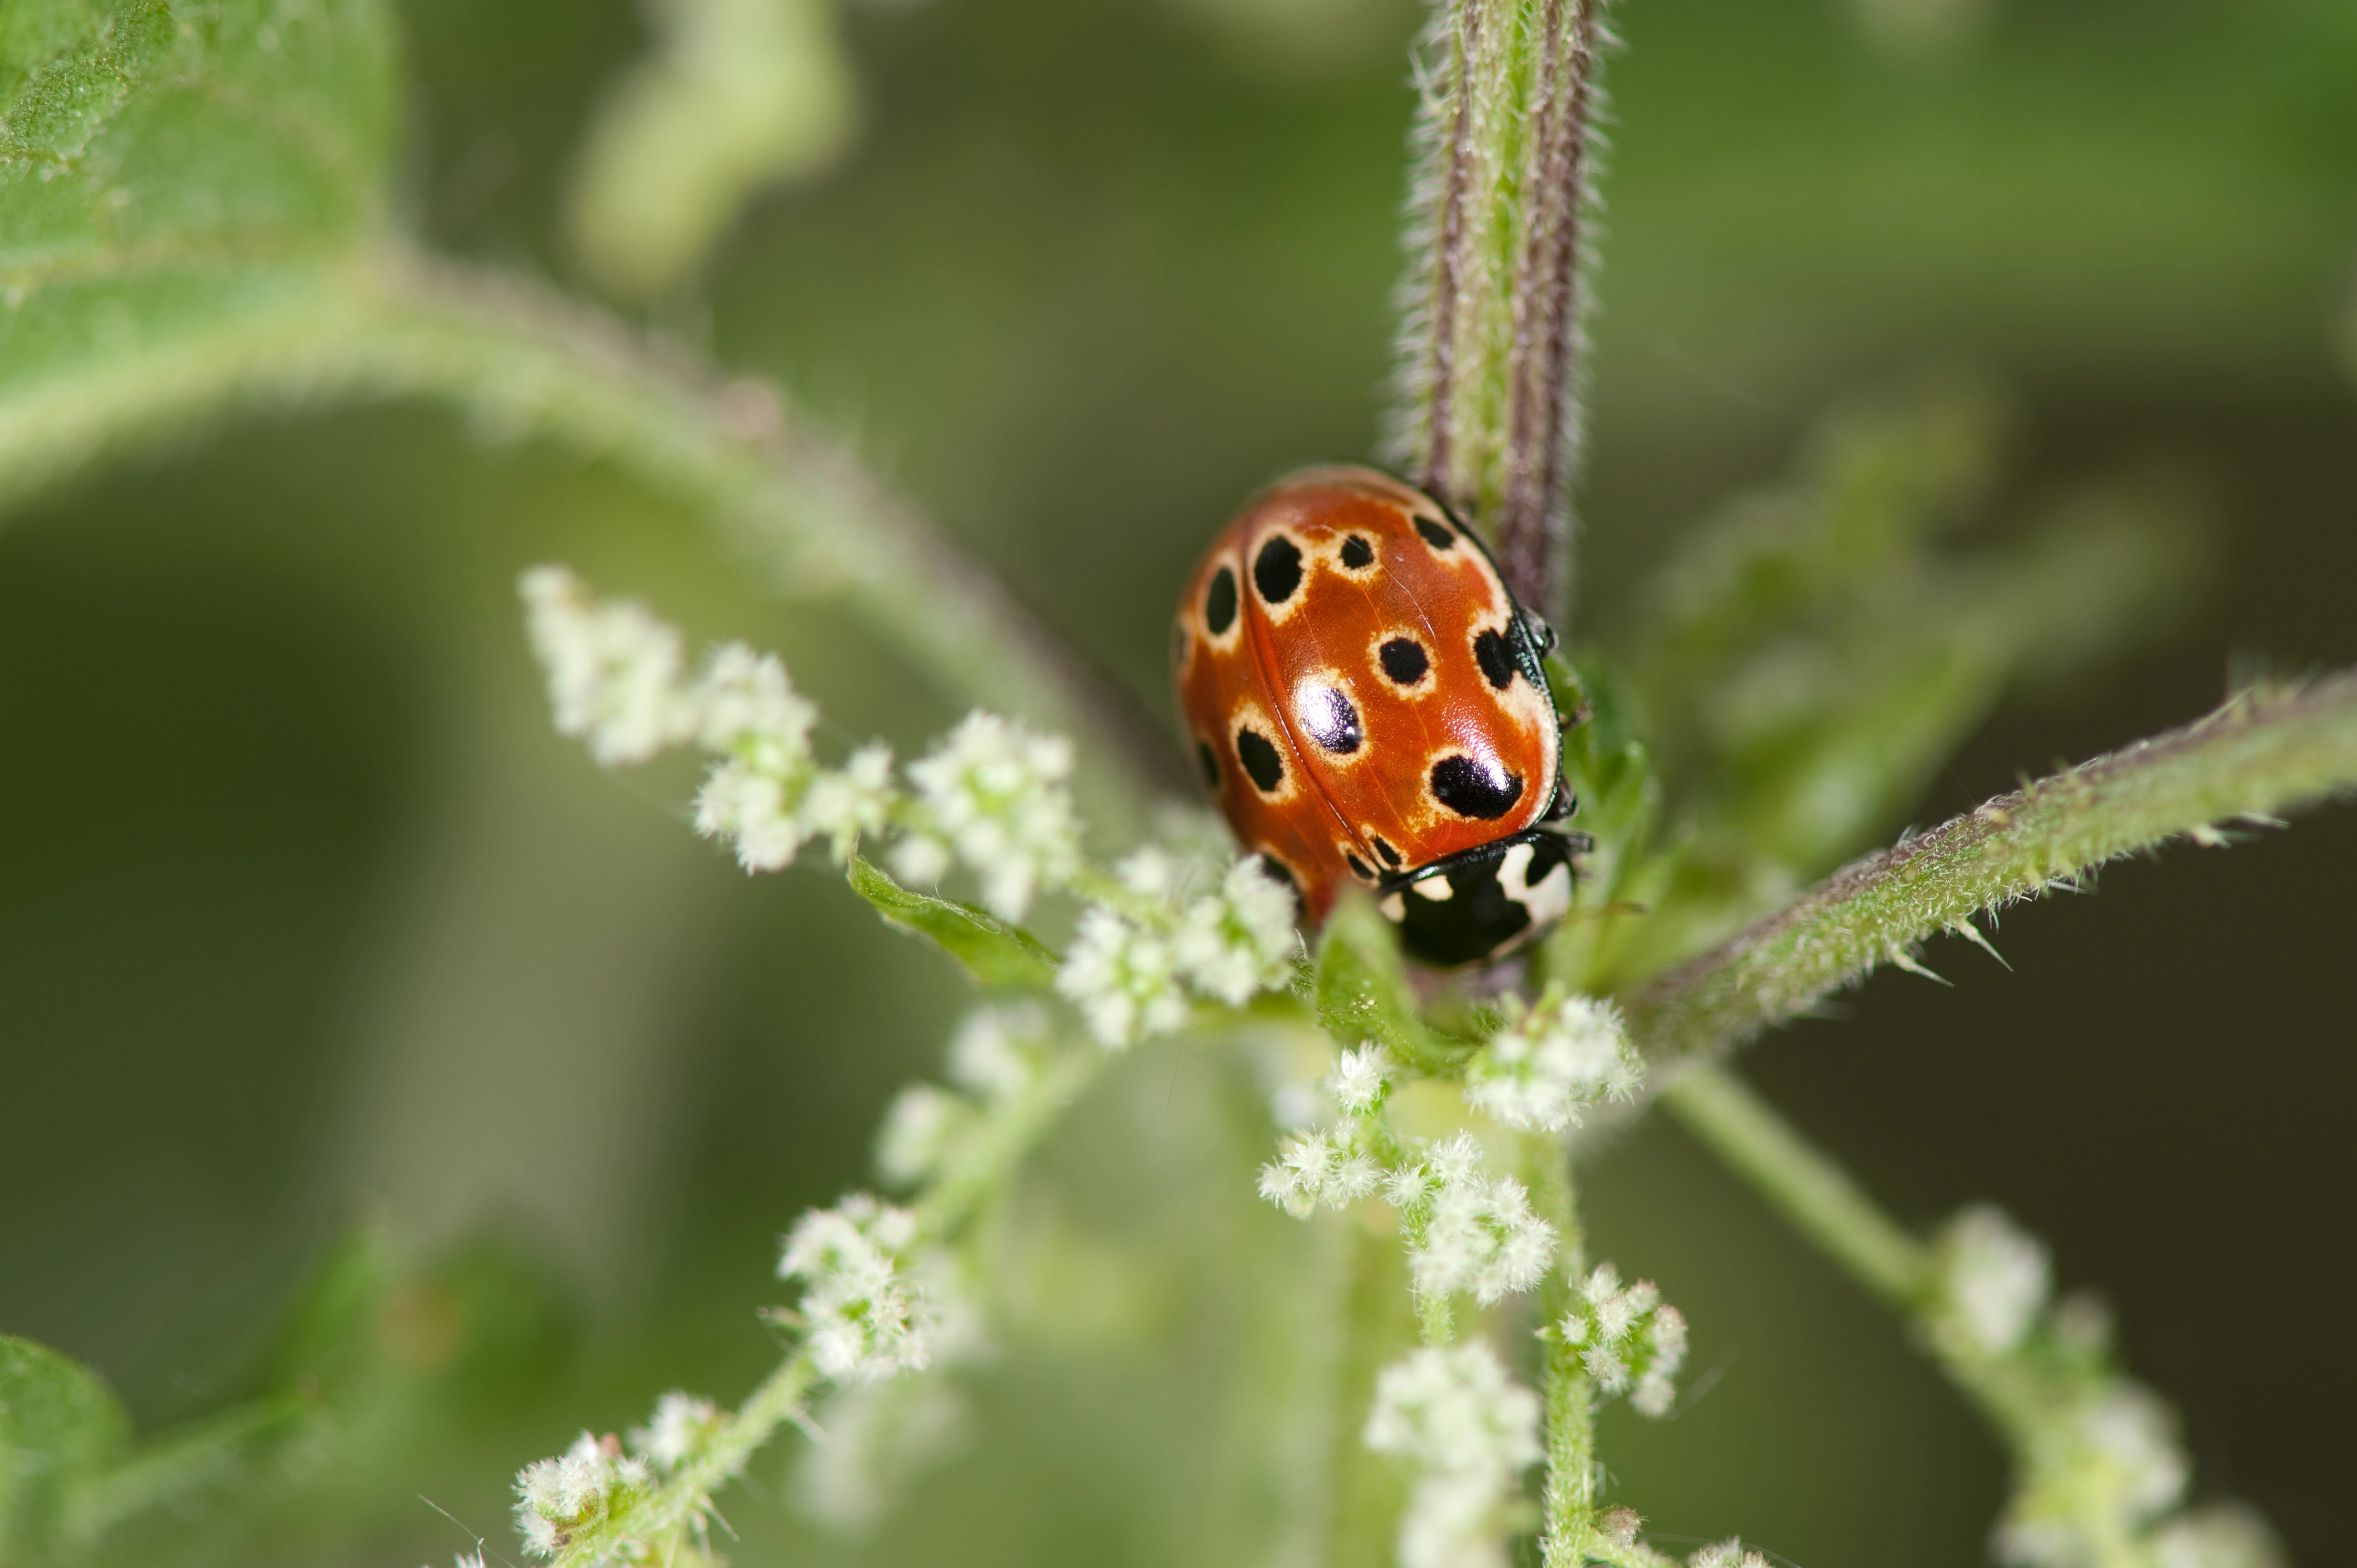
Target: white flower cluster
{"points": [[680, 1429], [588, 1483], [1550, 1059], [865, 1317], [1467, 1232], [994, 1057], [597, 1481], [1630, 1341], [994, 798], [1728, 1553], [1335, 1168], [1131, 969], [1994, 1279], [613, 669], [1467, 1430], [2103, 1467], [616, 677]]}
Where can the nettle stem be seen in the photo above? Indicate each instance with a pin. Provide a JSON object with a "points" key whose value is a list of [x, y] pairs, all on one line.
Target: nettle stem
{"points": [[521, 361], [2264, 753], [1492, 357], [1566, 1394]]}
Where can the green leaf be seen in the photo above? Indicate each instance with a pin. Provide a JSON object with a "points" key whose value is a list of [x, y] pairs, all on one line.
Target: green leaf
{"points": [[165, 169], [60, 1430], [1361, 990], [1000, 957]]}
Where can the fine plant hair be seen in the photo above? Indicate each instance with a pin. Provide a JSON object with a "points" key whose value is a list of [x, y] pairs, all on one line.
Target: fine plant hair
{"points": [[1424, 1130]]}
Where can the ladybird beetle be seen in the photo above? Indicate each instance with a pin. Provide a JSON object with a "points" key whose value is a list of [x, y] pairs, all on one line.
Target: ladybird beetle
{"points": [[1364, 699]]}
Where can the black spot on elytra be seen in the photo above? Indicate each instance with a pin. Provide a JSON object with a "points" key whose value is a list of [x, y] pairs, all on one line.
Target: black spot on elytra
{"points": [[1383, 851], [1330, 720], [1357, 552], [1277, 570], [1496, 656], [1260, 761], [1404, 659], [1359, 868], [1220, 602], [1210, 763], [1282, 874], [1470, 788], [1436, 534]]}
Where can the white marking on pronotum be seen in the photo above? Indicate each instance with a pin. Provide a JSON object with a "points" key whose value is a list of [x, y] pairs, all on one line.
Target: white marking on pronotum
{"points": [[1435, 888], [1550, 899], [1395, 907]]}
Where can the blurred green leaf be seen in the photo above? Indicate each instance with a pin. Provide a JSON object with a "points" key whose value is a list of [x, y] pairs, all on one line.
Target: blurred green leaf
{"points": [[163, 169], [1000, 957], [736, 95], [60, 1430], [1821, 648]]}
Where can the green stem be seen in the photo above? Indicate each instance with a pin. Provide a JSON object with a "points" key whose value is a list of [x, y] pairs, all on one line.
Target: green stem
{"points": [[2263, 754], [522, 361], [1490, 360], [1568, 1535], [1368, 1495], [1815, 1194], [941, 1214]]}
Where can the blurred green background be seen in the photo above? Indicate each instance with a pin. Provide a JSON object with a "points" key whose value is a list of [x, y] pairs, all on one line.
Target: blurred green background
{"points": [[308, 920]]}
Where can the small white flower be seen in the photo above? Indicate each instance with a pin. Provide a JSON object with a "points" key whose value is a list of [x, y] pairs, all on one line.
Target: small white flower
{"points": [[1728, 1554], [2220, 1537], [749, 808], [1149, 873], [677, 1431], [1995, 1279], [920, 1132], [865, 1317], [1470, 1233], [1550, 1059], [1466, 1428], [993, 1053], [1454, 1408], [1239, 940], [1359, 1079], [747, 708], [998, 798], [613, 668], [580, 1486], [920, 860], [1629, 1340], [1123, 978], [1318, 1168], [843, 804]]}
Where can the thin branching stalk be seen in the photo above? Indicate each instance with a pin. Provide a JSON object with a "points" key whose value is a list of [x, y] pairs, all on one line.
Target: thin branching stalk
{"points": [[946, 1210], [1491, 360], [1819, 1199], [1565, 1389], [2263, 754], [524, 362]]}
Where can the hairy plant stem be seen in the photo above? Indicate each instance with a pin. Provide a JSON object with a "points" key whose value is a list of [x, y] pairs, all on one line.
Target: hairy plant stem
{"points": [[1379, 1324], [1812, 1192], [1566, 1392], [943, 1214], [524, 362], [2264, 753], [1490, 362]]}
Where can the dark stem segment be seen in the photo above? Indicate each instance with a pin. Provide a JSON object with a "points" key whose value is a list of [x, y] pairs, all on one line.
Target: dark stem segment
{"points": [[1542, 438], [2262, 754], [1489, 358]]}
